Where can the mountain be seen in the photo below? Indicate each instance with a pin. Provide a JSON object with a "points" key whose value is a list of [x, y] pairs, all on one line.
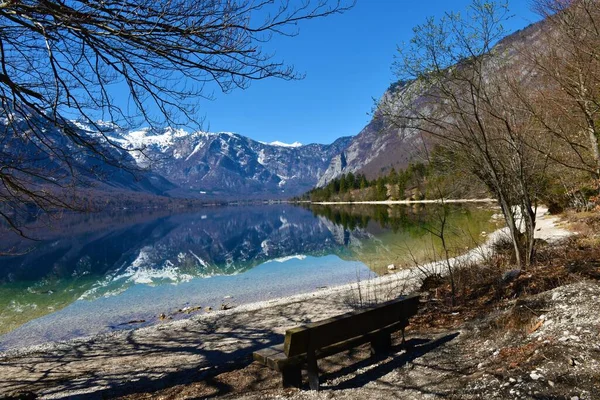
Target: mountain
{"points": [[226, 165], [381, 145], [44, 153], [372, 152], [165, 162]]}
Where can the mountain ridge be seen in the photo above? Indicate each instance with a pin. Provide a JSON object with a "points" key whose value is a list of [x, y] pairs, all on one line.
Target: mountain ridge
{"points": [[381, 145], [224, 165]]}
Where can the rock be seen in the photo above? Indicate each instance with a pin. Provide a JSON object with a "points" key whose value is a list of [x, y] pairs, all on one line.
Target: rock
{"points": [[391, 267], [535, 376], [572, 362], [511, 275], [133, 321], [162, 317], [225, 307], [555, 296]]}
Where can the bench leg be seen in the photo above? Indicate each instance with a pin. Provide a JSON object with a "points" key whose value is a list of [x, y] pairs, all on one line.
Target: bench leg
{"points": [[313, 370], [381, 344], [291, 377], [403, 337], [404, 345]]}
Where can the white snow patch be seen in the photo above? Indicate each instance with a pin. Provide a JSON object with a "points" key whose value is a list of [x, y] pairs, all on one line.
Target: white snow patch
{"points": [[288, 258], [261, 157], [196, 149], [282, 144]]}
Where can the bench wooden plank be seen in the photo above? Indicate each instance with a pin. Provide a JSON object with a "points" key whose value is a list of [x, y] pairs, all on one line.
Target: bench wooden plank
{"points": [[337, 329], [275, 358]]}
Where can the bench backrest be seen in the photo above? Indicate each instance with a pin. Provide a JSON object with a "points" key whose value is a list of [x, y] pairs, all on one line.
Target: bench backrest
{"points": [[348, 326]]}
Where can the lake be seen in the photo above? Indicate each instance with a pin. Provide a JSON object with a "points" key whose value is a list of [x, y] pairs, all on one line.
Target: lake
{"points": [[104, 272]]}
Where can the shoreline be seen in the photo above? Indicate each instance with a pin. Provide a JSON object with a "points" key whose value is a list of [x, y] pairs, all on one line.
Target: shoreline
{"points": [[403, 202]]}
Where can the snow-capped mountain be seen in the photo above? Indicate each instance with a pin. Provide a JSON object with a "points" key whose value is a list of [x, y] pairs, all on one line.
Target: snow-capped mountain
{"points": [[226, 165], [47, 152]]}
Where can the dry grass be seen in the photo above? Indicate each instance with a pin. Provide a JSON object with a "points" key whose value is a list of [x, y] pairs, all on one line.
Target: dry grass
{"points": [[482, 289]]}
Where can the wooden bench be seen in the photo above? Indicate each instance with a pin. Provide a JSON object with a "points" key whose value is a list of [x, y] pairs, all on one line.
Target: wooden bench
{"points": [[305, 344]]}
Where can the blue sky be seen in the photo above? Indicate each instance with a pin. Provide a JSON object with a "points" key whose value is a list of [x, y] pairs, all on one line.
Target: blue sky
{"points": [[347, 60]]}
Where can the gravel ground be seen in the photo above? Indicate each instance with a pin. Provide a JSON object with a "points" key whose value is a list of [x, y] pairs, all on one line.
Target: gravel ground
{"points": [[555, 355]]}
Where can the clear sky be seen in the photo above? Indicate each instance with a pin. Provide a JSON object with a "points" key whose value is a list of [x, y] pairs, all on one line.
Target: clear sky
{"points": [[347, 60]]}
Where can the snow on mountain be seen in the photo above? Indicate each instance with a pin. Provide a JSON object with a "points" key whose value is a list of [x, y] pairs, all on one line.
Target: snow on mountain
{"points": [[225, 165], [281, 144]]}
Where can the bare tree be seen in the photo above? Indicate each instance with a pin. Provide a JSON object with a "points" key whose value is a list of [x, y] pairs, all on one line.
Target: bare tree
{"points": [[62, 59], [567, 61], [468, 100]]}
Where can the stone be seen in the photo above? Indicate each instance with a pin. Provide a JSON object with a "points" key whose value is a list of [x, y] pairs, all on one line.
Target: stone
{"points": [[391, 267], [511, 275], [535, 376], [555, 296]]}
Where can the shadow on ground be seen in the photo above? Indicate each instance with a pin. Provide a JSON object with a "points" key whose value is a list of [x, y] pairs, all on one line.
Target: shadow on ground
{"points": [[147, 360]]}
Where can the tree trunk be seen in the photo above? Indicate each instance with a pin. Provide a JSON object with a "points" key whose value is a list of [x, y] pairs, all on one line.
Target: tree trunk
{"points": [[529, 215], [509, 217], [595, 149]]}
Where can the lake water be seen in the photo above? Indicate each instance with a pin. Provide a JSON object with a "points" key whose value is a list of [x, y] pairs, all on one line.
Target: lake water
{"points": [[99, 273]]}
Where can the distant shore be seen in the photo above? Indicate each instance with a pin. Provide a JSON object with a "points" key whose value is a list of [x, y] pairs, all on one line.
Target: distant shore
{"points": [[405, 202]]}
